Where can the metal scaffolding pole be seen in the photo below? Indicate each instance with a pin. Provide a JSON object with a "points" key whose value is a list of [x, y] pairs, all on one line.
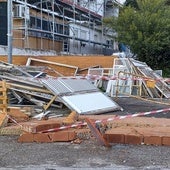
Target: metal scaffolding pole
{"points": [[9, 34]]}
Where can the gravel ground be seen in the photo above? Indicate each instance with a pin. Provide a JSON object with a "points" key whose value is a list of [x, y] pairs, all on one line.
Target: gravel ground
{"points": [[88, 155]]}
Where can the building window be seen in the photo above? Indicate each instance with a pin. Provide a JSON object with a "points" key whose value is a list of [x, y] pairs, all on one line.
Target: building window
{"points": [[37, 26]]}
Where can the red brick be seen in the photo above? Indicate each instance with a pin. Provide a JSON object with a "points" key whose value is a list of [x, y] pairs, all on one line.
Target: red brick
{"points": [[17, 114], [115, 138], [62, 136], [43, 127], [41, 137], [117, 135], [142, 122], [152, 140], [35, 126], [156, 131], [133, 139], [166, 140], [26, 138], [95, 117], [154, 136]]}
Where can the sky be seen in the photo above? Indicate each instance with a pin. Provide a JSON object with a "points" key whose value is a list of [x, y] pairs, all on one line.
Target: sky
{"points": [[121, 1]]}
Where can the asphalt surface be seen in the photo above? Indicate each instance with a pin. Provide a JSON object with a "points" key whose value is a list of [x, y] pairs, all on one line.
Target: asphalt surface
{"points": [[89, 154]]}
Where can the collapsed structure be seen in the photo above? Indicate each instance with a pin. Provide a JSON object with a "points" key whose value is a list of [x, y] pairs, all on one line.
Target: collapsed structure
{"points": [[31, 92], [32, 86]]}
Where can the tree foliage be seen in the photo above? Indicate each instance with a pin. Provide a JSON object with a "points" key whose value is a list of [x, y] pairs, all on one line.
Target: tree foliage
{"points": [[145, 26], [132, 3]]}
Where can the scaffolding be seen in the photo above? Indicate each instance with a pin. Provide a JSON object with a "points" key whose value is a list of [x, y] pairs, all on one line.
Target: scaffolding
{"points": [[62, 22]]}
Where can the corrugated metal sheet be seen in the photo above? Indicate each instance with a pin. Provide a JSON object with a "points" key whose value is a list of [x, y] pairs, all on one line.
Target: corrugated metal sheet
{"points": [[76, 85], [23, 80], [55, 86], [60, 86]]}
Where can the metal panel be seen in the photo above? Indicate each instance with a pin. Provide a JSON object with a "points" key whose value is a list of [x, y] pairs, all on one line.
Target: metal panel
{"points": [[76, 85], [61, 86], [89, 100], [138, 63], [55, 86], [90, 103], [160, 85], [23, 80]]}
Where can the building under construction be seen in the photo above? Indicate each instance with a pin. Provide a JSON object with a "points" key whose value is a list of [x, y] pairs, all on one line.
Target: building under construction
{"points": [[60, 26]]}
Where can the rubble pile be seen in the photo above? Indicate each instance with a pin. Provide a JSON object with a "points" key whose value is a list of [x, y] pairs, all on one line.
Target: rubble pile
{"points": [[131, 77], [40, 107]]}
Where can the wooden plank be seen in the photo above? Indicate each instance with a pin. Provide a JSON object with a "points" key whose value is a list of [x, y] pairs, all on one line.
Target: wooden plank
{"points": [[50, 102], [29, 88], [3, 105], [3, 119], [3, 97], [53, 63], [50, 62], [3, 89]]}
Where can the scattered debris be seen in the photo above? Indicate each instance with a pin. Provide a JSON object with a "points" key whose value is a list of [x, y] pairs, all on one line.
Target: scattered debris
{"points": [[30, 96], [96, 133], [130, 77], [3, 119], [71, 118]]}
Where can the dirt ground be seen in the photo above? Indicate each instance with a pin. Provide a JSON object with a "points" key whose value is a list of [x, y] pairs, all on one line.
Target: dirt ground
{"points": [[89, 154]]}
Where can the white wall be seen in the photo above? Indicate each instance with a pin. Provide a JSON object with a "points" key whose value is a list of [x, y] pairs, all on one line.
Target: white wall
{"points": [[81, 47], [96, 6]]}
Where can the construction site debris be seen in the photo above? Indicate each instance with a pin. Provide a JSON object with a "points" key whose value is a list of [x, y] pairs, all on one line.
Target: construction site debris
{"points": [[50, 63], [96, 133], [30, 97], [11, 130], [18, 114], [3, 119], [71, 118], [130, 77], [61, 136]]}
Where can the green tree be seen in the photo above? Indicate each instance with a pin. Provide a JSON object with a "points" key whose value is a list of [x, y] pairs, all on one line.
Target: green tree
{"points": [[145, 27], [131, 3]]}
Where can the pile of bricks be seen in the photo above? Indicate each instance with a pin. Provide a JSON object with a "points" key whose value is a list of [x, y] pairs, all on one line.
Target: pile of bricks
{"points": [[33, 131], [139, 130], [136, 130]]}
